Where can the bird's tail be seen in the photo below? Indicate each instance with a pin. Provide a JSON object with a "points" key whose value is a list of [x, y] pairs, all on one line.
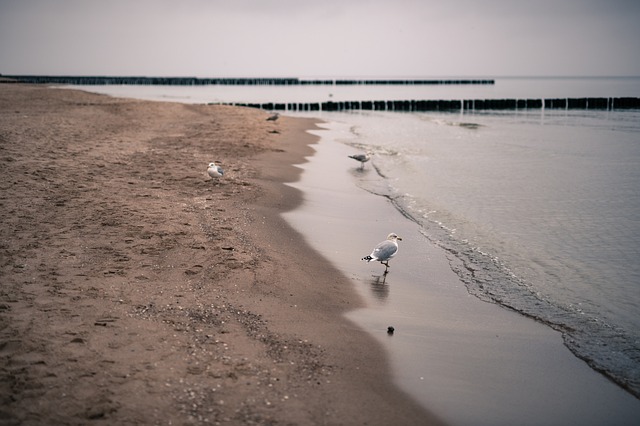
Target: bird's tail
{"points": [[367, 258]]}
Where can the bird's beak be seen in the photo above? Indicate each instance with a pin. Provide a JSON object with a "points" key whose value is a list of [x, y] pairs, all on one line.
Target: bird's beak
{"points": [[400, 238]]}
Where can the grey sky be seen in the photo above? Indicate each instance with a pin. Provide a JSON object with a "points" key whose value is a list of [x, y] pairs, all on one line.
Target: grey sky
{"points": [[320, 38]]}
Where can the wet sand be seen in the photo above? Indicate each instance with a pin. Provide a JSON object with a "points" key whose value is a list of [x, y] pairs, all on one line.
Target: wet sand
{"points": [[135, 290], [468, 361]]}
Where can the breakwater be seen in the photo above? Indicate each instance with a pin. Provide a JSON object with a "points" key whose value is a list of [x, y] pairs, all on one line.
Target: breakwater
{"points": [[193, 81], [453, 105]]}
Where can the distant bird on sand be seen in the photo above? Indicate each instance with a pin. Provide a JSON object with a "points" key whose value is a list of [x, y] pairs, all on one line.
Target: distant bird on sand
{"points": [[215, 171], [384, 251], [362, 158], [274, 117]]}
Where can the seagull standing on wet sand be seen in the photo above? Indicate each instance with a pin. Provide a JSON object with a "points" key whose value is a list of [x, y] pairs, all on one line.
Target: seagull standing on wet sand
{"points": [[274, 117], [362, 158], [215, 171], [384, 251]]}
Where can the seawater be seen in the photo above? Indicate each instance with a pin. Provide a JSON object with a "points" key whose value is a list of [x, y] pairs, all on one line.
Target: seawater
{"points": [[538, 209], [514, 87]]}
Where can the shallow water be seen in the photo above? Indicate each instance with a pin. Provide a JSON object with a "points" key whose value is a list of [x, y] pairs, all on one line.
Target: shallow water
{"points": [[515, 88], [540, 209], [468, 361]]}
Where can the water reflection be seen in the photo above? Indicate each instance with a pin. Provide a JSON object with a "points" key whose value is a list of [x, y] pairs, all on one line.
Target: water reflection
{"points": [[359, 172], [379, 287]]}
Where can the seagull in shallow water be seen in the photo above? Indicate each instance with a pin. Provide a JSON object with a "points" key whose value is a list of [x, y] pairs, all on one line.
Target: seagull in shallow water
{"points": [[215, 171], [384, 251], [362, 158], [274, 117]]}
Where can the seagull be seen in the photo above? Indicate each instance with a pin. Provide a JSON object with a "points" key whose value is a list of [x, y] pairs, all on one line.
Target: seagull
{"points": [[362, 158], [215, 171], [274, 117], [384, 251]]}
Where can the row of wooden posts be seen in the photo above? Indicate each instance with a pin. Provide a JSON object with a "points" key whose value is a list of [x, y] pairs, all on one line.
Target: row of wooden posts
{"points": [[194, 81], [453, 105]]}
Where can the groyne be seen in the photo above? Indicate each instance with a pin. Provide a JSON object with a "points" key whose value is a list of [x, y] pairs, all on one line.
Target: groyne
{"points": [[194, 81], [368, 105], [452, 105]]}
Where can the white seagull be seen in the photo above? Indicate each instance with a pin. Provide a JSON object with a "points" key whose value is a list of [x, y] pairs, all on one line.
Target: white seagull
{"points": [[362, 158], [384, 251], [215, 171]]}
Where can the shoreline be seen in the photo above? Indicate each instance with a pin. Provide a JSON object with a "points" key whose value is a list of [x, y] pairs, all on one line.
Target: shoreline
{"points": [[456, 354], [136, 291]]}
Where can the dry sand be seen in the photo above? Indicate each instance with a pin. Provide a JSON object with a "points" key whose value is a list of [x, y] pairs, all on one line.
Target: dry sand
{"points": [[135, 290]]}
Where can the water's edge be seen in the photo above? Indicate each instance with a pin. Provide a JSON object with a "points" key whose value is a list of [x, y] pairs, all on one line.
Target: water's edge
{"points": [[444, 336], [479, 271]]}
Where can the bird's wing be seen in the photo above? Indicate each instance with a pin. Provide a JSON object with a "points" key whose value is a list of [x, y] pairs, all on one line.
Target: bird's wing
{"points": [[384, 250]]}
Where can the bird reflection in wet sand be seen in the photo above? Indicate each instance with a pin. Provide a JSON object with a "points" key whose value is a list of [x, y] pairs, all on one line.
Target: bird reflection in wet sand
{"points": [[379, 287]]}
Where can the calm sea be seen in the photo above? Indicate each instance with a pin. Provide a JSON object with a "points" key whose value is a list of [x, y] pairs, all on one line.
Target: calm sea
{"points": [[541, 208]]}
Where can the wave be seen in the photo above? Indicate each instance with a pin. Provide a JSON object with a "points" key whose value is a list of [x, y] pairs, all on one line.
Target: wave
{"points": [[605, 347]]}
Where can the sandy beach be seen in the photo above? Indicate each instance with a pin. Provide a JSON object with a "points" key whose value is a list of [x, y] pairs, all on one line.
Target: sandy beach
{"points": [[136, 290]]}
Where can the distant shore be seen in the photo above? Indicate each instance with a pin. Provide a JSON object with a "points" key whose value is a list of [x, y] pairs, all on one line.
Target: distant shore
{"points": [[138, 291]]}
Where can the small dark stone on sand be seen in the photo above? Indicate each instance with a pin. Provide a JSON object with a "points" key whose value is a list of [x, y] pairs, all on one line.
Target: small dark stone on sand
{"points": [[390, 330]]}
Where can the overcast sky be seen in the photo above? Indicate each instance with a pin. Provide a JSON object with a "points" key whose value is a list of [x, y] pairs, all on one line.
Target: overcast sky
{"points": [[321, 38]]}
